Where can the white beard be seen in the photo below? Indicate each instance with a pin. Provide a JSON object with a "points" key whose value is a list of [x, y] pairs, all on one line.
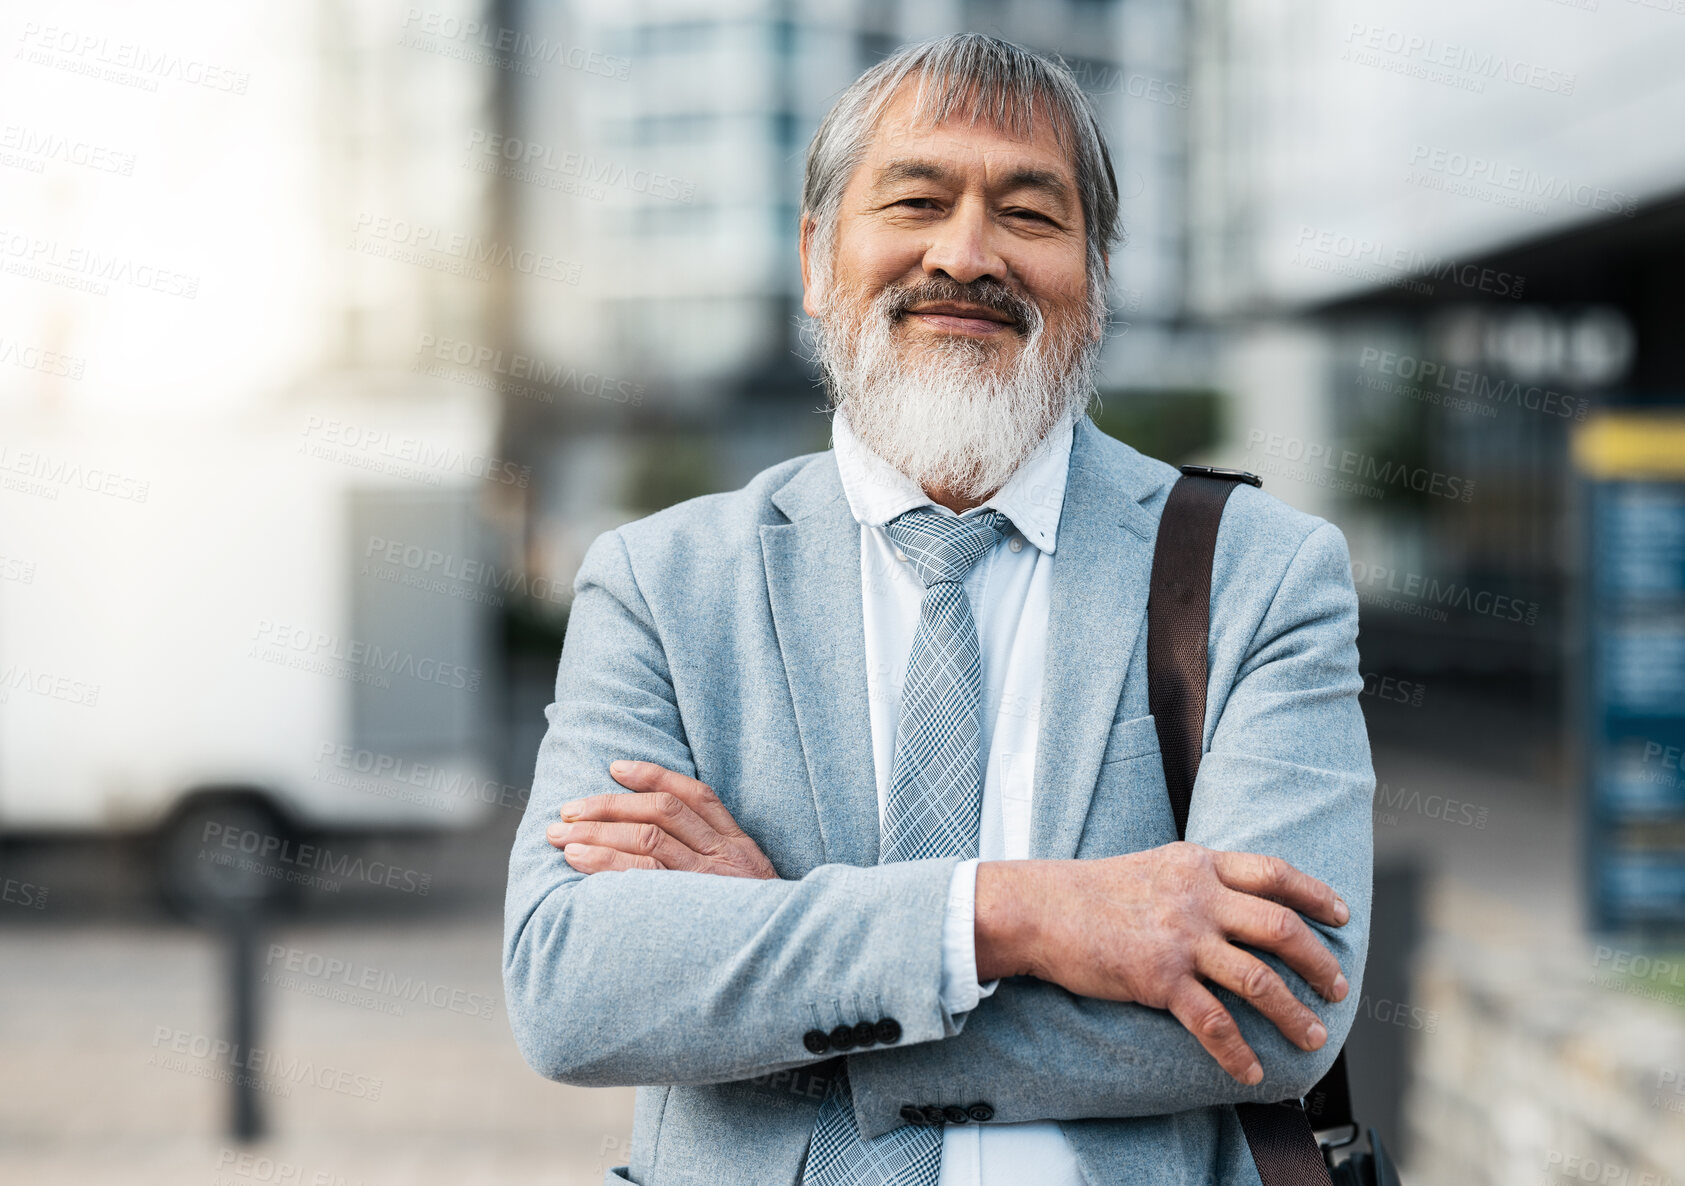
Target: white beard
{"points": [[953, 419]]}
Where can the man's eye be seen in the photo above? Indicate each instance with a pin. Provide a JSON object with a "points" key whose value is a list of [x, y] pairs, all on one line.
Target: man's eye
{"points": [[909, 201], [1030, 214]]}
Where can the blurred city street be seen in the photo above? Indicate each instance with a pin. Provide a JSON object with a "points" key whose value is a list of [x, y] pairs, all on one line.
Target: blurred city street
{"points": [[108, 1020], [101, 1014], [333, 335]]}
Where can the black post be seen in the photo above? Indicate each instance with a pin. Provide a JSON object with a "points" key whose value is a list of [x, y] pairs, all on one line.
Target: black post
{"points": [[1389, 1017], [241, 930]]}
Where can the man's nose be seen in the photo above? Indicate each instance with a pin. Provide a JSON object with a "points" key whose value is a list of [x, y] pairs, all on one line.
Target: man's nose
{"points": [[963, 246]]}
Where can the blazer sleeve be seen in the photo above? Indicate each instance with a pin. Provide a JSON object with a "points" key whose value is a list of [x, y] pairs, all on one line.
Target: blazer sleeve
{"points": [[1287, 773], [652, 977]]}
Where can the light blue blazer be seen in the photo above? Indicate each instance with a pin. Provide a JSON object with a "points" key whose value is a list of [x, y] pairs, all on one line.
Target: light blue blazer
{"points": [[722, 637]]}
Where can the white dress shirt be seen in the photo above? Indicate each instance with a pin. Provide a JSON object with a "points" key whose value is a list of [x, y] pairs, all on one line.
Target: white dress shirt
{"points": [[1009, 590]]}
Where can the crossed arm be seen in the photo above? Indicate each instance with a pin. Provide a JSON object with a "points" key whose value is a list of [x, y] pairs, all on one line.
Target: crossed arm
{"points": [[671, 977], [1106, 1007]]}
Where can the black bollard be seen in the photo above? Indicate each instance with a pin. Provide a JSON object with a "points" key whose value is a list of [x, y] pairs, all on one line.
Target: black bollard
{"points": [[241, 932], [1389, 1019]]}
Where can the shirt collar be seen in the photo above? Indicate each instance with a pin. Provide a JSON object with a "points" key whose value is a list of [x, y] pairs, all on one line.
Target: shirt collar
{"points": [[1032, 497]]}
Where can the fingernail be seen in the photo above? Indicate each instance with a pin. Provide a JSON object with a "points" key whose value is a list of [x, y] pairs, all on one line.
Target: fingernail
{"points": [[1341, 911], [620, 766], [1316, 1035], [569, 810], [1340, 987], [1254, 1075], [556, 831], [574, 851]]}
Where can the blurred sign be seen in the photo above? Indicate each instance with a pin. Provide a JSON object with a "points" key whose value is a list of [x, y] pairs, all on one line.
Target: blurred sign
{"points": [[1634, 464]]}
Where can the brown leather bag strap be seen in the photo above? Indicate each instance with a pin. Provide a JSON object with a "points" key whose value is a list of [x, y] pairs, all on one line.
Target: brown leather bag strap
{"points": [[1284, 1148], [1179, 629]]}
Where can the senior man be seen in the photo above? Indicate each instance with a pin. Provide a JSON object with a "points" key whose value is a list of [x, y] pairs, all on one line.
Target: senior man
{"points": [[849, 841]]}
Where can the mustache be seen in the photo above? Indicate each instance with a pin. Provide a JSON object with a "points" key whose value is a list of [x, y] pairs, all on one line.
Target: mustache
{"points": [[1022, 313]]}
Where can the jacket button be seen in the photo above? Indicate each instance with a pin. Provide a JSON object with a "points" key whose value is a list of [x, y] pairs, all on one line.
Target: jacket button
{"points": [[912, 1114], [981, 1112], [954, 1114], [889, 1031], [842, 1038], [932, 1114], [816, 1041], [865, 1033]]}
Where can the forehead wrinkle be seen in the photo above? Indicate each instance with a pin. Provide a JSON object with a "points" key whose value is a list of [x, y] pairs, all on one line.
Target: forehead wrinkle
{"points": [[912, 169]]}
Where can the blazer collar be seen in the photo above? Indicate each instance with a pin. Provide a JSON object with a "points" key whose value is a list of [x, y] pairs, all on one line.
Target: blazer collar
{"points": [[812, 567], [1098, 607], [1096, 613]]}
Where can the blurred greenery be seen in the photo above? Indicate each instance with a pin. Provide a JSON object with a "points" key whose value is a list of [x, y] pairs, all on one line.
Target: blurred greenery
{"points": [[1169, 424], [668, 468], [1650, 988], [533, 627]]}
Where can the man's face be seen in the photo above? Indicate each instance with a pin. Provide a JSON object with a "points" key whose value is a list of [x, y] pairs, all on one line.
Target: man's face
{"points": [[954, 317]]}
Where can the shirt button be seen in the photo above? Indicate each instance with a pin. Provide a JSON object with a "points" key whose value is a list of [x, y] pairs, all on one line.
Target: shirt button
{"points": [[1017, 543], [900, 555]]}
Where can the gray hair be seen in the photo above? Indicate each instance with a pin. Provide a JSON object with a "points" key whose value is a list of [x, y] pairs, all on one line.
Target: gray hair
{"points": [[981, 77]]}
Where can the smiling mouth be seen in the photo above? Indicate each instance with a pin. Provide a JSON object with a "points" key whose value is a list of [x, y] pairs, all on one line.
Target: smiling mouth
{"points": [[963, 319]]}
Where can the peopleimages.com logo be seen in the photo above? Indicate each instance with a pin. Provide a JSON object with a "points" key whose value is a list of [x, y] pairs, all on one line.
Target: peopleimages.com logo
{"points": [[350, 658], [244, 1166], [1426, 595], [1362, 468], [31, 471], [1569, 1167], [339, 440], [504, 48], [1525, 183], [23, 893], [227, 1061], [1375, 259], [127, 62], [423, 783], [307, 864], [479, 365], [1429, 381], [1431, 59], [365, 986]]}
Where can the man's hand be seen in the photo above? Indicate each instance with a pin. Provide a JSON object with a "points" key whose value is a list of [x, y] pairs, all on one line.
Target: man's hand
{"points": [[673, 822], [1150, 926]]}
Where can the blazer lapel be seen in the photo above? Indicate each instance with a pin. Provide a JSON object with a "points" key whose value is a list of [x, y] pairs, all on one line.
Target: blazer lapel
{"points": [[1098, 606], [813, 584]]}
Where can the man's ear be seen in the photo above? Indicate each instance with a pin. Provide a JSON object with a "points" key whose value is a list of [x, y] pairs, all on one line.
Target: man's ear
{"points": [[1100, 326], [809, 297]]}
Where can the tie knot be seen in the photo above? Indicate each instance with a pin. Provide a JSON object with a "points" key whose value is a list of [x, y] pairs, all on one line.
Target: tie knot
{"points": [[944, 547]]}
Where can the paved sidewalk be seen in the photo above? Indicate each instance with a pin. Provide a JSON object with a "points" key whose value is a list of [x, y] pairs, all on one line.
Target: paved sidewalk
{"points": [[1509, 831], [394, 1065], [1544, 1055], [106, 1039]]}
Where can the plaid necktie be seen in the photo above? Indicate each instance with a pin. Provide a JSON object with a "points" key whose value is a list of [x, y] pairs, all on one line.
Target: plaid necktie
{"points": [[934, 804]]}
